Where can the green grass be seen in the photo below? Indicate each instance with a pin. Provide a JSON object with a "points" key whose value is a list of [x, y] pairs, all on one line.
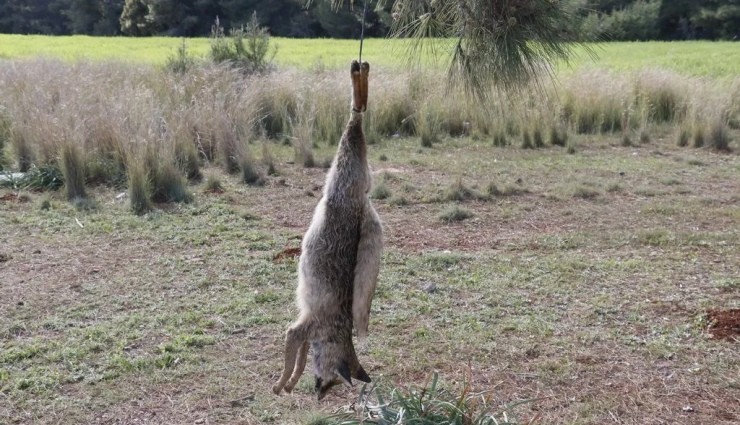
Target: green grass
{"points": [[698, 58]]}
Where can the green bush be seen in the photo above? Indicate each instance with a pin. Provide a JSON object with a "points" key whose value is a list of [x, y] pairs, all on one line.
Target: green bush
{"points": [[719, 135], [380, 191], [455, 213], [169, 184], [249, 173], [247, 48], [181, 61]]}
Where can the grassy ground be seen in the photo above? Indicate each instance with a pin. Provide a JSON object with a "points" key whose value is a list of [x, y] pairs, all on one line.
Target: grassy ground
{"points": [[717, 59], [581, 285]]}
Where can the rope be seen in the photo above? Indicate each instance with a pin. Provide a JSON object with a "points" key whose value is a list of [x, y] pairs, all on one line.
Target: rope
{"points": [[362, 31]]}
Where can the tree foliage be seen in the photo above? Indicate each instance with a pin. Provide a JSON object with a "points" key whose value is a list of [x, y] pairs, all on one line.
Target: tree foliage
{"points": [[607, 19]]}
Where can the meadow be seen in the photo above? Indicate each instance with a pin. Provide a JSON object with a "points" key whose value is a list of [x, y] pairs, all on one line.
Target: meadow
{"points": [[699, 58], [561, 255]]}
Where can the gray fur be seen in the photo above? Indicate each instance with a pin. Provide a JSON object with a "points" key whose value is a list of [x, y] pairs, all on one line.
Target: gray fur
{"points": [[338, 268]]}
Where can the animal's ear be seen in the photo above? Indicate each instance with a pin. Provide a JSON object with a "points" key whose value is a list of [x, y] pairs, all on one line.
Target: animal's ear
{"points": [[344, 373], [362, 375]]}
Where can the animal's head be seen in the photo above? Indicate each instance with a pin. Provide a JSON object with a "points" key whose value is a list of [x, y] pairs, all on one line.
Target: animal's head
{"points": [[335, 363]]}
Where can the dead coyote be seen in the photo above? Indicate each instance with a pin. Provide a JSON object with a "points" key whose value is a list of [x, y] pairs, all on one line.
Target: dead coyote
{"points": [[339, 263]]}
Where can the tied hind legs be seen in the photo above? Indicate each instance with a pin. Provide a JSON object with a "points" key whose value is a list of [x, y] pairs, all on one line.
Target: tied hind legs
{"points": [[359, 74]]}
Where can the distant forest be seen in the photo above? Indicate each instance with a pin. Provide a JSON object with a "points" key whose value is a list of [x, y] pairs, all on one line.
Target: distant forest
{"points": [[599, 19]]}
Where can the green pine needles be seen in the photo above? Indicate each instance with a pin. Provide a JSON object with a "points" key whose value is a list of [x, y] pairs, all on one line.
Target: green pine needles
{"points": [[503, 44]]}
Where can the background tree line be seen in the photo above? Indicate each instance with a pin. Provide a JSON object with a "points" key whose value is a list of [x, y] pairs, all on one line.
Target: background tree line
{"points": [[599, 19]]}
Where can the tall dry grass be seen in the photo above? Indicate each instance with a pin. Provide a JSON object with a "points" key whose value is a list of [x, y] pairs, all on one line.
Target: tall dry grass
{"points": [[121, 114]]}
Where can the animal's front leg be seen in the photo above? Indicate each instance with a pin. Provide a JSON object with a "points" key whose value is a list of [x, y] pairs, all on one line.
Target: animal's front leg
{"points": [[300, 365], [296, 336], [366, 269]]}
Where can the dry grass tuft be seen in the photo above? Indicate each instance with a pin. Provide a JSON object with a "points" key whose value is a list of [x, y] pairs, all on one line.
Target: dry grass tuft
{"points": [[73, 169]]}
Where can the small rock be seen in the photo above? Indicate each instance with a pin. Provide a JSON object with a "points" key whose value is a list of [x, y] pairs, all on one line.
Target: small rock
{"points": [[430, 288]]}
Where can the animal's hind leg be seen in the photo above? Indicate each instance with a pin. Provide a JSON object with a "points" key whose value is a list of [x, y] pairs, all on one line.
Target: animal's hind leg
{"points": [[296, 336], [364, 73], [355, 74], [300, 365]]}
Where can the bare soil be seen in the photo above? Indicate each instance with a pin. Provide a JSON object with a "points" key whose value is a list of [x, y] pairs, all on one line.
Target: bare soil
{"points": [[725, 324]]}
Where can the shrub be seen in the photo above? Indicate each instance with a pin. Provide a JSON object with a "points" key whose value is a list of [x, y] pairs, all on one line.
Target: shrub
{"points": [[23, 151], [537, 138], [398, 201], [213, 184], [585, 192], [457, 191], [509, 190], [105, 169], [43, 177], [181, 61], [139, 188], [302, 129], [558, 136], [380, 191], [248, 47], [455, 213], [682, 137], [644, 136], [427, 126], [169, 184], [698, 135], [527, 140], [268, 160], [73, 169], [187, 159], [719, 136], [249, 173], [499, 138]]}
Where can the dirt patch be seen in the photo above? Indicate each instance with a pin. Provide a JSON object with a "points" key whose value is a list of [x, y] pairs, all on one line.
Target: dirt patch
{"points": [[725, 324], [287, 253], [12, 197], [214, 191]]}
